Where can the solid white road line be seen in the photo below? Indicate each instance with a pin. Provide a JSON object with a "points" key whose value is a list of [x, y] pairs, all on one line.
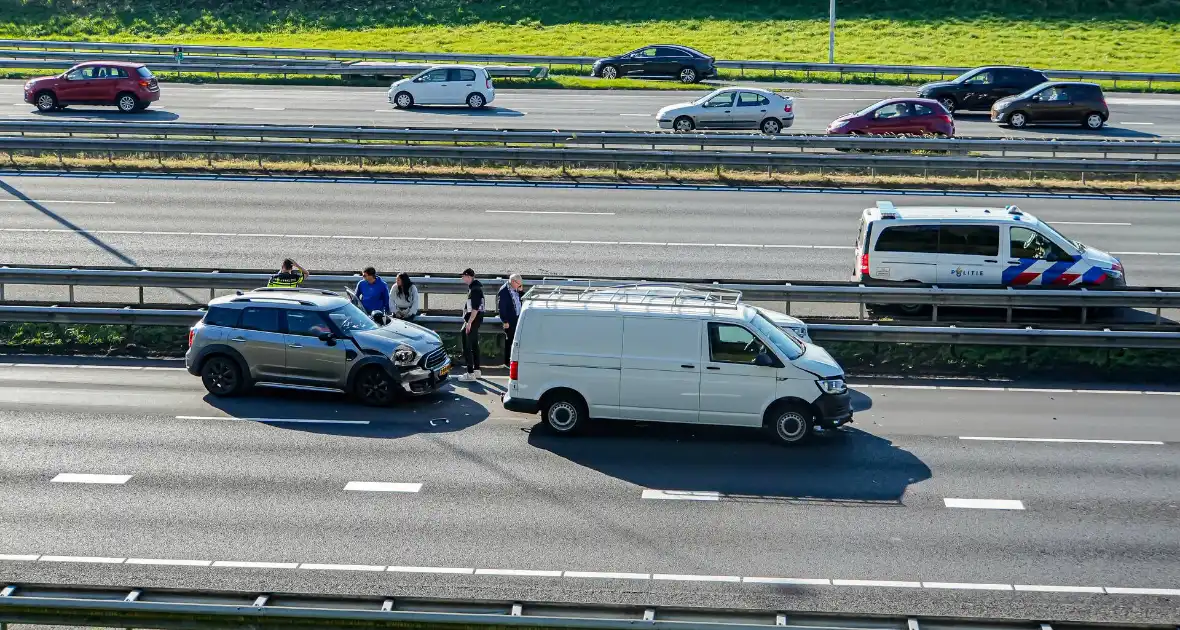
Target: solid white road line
{"points": [[984, 504], [606, 575], [19, 557], [169, 563], [884, 583], [968, 587], [1043, 588], [518, 572], [1061, 440], [256, 565], [1129, 124], [791, 581], [86, 559], [1089, 223], [1142, 591], [282, 420], [548, 212], [695, 578], [446, 570], [380, 486], [341, 567], [682, 495], [84, 478]]}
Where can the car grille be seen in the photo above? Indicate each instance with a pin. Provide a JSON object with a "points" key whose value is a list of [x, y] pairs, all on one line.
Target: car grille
{"points": [[434, 359]]}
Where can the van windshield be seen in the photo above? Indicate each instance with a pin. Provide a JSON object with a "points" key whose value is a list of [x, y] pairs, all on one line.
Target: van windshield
{"points": [[788, 347]]}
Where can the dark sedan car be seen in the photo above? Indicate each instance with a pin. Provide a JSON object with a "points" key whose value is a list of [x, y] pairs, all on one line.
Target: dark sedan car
{"points": [[897, 116], [1067, 102], [661, 60], [976, 90]]}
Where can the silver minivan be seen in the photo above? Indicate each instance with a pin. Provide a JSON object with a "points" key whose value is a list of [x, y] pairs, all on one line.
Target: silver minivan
{"points": [[312, 338]]}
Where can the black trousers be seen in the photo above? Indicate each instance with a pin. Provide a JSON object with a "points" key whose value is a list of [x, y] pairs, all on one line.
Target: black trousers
{"points": [[471, 344], [509, 335]]}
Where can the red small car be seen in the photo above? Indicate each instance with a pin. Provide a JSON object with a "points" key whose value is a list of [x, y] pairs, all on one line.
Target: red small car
{"points": [[129, 86], [897, 116]]}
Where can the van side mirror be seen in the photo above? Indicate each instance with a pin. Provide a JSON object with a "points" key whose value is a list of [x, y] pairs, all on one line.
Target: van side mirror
{"points": [[765, 360], [1036, 98]]}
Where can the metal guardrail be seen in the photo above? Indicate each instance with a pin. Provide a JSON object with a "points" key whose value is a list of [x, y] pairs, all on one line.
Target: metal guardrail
{"points": [[603, 139], [67, 605], [550, 60], [820, 333], [768, 160], [785, 293], [356, 69]]}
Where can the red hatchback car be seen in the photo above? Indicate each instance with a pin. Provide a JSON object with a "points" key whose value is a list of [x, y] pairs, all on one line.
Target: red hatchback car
{"points": [[897, 116], [128, 86]]}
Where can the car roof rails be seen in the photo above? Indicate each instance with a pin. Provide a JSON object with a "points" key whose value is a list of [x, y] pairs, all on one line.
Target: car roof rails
{"points": [[296, 290], [277, 298]]}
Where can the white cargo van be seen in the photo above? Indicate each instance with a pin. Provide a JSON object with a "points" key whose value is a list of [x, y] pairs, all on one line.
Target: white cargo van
{"points": [[668, 353], [974, 246]]}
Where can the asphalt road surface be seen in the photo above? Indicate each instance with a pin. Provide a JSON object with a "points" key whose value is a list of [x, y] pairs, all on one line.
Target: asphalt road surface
{"points": [[133, 477], [1133, 116], [557, 231]]}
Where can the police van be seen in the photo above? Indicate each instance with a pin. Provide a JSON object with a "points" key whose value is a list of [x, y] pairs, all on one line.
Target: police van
{"points": [[974, 246]]}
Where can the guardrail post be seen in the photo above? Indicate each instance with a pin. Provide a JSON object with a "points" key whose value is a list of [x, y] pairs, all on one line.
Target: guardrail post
{"points": [[71, 293], [141, 295]]}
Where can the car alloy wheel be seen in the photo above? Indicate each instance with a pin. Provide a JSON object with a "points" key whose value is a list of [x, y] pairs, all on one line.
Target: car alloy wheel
{"points": [[609, 72], [771, 127], [475, 101], [220, 376], [46, 102], [1094, 121], [374, 387], [128, 103], [688, 75], [1018, 120], [404, 100], [683, 124]]}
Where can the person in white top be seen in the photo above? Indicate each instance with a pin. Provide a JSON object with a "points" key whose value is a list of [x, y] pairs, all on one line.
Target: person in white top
{"points": [[405, 298]]}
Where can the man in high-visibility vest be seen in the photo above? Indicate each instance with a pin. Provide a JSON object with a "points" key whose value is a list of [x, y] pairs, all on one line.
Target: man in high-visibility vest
{"points": [[291, 275]]}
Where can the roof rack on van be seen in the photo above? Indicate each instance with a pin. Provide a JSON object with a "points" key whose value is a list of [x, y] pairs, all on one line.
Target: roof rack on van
{"points": [[295, 290], [637, 293]]}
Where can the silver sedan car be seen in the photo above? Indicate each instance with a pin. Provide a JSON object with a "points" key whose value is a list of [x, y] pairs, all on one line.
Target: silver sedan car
{"points": [[731, 108]]}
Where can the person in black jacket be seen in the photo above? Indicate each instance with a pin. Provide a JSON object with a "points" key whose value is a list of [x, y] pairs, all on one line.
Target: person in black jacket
{"points": [[473, 310], [508, 304]]}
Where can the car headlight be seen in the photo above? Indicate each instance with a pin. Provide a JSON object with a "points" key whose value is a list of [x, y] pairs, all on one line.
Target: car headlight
{"points": [[405, 355], [1113, 273], [832, 385]]}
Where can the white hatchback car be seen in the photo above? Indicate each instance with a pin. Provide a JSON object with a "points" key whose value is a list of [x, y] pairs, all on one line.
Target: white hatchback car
{"points": [[731, 108], [444, 85]]}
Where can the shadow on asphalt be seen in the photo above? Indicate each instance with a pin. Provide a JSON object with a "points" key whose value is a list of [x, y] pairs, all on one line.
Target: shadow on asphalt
{"points": [[110, 114], [441, 412], [850, 467], [463, 110], [1065, 129]]}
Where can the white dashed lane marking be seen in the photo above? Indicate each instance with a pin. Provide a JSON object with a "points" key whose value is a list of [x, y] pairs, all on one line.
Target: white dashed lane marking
{"points": [[275, 420], [379, 486], [94, 479], [1061, 440], [682, 495], [984, 504]]}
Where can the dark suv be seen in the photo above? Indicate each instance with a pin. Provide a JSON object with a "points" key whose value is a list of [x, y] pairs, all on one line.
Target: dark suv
{"points": [[681, 62], [1067, 102], [976, 90], [129, 86]]}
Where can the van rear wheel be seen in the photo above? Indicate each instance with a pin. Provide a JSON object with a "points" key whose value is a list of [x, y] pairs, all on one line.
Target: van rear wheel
{"points": [[789, 423], [564, 412]]}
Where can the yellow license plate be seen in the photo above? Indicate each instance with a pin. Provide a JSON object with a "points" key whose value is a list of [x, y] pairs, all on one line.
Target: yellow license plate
{"points": [[443, 372]]}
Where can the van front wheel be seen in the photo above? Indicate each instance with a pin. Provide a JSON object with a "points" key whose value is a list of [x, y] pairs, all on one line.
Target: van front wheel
{"points": [[564, 412], [789, 423]]}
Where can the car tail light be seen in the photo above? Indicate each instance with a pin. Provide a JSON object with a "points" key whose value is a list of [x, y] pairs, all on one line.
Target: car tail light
{"points": [[488, 83], [947, 119], [788, 107], [512, 370], [145, 84], [191, 332], [864, 264]]}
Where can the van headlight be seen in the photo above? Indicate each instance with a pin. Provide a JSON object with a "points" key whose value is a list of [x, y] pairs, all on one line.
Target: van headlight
{"points": [[832, 385], [405, 355]]}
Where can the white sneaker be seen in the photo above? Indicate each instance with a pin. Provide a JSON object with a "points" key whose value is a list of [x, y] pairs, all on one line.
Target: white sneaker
{"points": [[468, 377]]}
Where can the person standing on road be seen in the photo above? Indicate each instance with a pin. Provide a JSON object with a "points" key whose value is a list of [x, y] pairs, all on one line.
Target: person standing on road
{"points": [[508, 304], [405, 298], [290, 276], [373, 292], [473, 310]]}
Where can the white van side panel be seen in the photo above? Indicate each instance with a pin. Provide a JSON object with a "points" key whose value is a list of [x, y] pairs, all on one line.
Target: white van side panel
{"points": [[576, 350], [661, 378], [901, 266]]}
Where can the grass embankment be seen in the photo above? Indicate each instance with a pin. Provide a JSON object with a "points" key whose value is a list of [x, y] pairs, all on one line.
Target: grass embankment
{"points": [[586, 173], [1009, 362], [1129, 35]]}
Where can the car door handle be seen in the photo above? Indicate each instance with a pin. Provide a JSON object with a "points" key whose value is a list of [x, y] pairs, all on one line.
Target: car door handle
{"points": [[239, 339], [990, 260], [687, 366], [710, 367], [294, 345], [1013, 262]]}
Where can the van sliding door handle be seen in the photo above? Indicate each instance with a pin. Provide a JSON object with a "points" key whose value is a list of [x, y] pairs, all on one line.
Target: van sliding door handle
{"points": [[686, 366], [990, 260], [712, 368]]}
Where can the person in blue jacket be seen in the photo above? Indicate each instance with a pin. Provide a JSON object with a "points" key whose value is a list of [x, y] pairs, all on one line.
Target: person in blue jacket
{"points": [[373, 292]]}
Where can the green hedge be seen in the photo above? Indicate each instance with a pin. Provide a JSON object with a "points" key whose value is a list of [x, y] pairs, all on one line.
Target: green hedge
{"points": [[897, 359]]}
